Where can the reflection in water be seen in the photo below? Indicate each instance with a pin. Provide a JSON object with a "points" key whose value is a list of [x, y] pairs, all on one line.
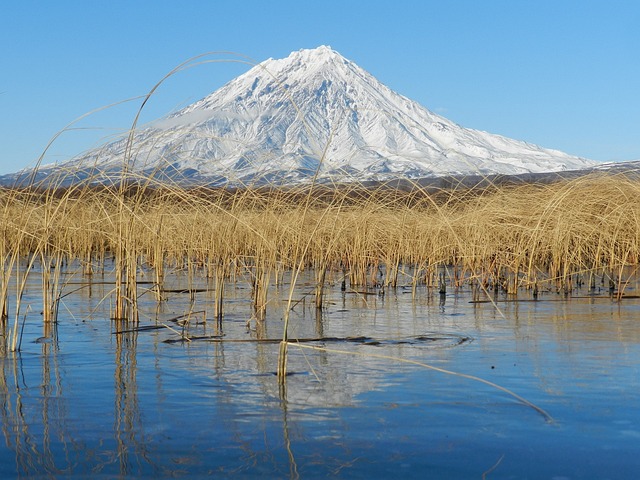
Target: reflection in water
{"points": [[14, 425], [34, 413], [293, 467], [51, 388], [128, 429], [83, 400], [319, 323]]}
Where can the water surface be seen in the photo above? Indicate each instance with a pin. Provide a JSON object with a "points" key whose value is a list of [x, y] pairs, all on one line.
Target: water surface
{"points": [[81, 399]]}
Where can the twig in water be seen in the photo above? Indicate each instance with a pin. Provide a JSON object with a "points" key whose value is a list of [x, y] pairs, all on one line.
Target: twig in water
{"points": [[184, 337], [495, 465]]}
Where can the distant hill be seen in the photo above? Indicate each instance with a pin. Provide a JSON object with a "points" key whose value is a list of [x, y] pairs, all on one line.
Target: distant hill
{"points": [[313, 115]]}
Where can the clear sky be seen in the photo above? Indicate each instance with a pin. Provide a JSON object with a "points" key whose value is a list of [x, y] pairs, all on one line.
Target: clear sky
{"points": [[562, 74]]}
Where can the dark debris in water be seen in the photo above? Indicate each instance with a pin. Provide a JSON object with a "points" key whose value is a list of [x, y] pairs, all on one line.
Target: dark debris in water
{"points": [[435, 338], [439, 339], [144, 328], [450, 339], [185, 290], [288, 374]]}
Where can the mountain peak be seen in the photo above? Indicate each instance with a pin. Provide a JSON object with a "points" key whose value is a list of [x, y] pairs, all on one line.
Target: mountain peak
{"points": [[304, 62], [321, 54], [315, 114]]}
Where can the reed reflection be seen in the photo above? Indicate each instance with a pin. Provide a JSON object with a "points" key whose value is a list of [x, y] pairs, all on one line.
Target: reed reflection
{"points": [[132, 449], [34, 413], [293, 466]]}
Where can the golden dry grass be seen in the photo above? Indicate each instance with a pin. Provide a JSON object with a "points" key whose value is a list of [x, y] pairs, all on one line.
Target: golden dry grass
{"points": [[534, 232], [497, 238]]}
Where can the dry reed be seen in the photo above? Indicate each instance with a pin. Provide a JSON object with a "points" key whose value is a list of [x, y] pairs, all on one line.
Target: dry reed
{"points": [[505, 238]]}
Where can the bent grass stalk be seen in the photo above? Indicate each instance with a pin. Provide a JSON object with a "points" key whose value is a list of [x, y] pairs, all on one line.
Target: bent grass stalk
{"points": [[522, 400]]}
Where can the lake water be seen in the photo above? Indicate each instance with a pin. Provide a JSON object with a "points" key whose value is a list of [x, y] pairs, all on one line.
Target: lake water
{"points": [[82, 400]]}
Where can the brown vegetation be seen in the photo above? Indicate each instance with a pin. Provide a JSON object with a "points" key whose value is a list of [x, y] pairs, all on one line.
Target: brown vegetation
{"points": [[533, 236]]}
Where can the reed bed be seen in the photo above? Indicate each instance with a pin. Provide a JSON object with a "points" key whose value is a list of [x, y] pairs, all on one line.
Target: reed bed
{"points": [[497, 238]]}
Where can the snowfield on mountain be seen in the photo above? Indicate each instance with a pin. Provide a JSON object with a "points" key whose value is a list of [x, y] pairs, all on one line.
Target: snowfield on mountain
{"points": [[311, 116]]}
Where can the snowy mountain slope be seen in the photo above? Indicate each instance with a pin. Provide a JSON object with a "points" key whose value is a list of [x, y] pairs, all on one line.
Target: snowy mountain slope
{"points": [[314, 112]]}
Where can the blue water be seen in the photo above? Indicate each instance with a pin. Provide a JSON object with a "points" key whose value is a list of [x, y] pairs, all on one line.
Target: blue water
{"points": [[85, 402]]}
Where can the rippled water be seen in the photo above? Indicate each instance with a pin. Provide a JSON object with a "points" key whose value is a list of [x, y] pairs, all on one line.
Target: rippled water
{"points": [[82, 400]]}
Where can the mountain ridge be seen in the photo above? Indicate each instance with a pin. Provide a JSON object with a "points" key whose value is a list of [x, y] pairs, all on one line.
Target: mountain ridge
{"points": [[313, 115]]}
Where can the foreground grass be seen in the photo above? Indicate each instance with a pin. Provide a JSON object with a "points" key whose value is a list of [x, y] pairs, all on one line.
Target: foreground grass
{"points": [[523, 234]]}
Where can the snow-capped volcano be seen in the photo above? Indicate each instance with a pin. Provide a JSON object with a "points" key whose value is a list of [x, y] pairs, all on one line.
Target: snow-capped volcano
{"points": [[317, 115]]}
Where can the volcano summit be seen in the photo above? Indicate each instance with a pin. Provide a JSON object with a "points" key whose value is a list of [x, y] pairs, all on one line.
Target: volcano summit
{"points": [[311, 115]]}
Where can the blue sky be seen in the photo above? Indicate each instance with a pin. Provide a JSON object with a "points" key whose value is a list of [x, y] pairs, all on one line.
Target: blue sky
{"points": [[560, 74]]}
